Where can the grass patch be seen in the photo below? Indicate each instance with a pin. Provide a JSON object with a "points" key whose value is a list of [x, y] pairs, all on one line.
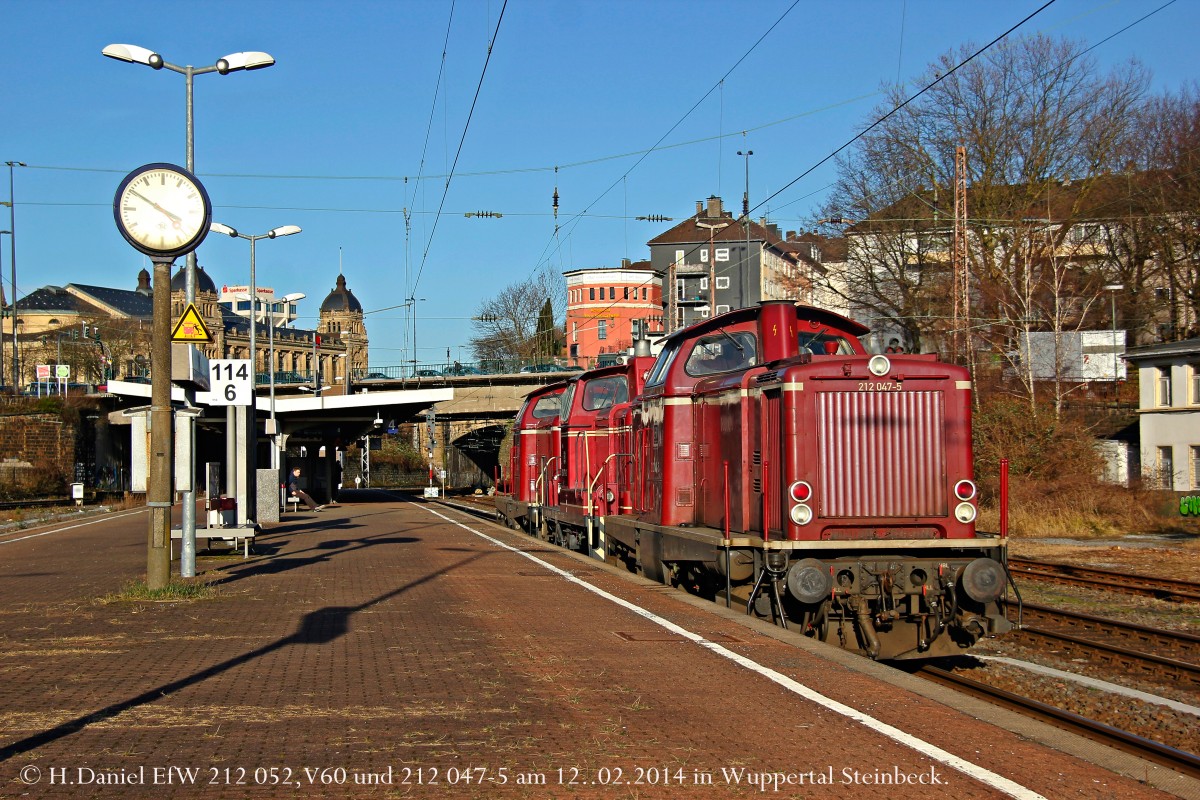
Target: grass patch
{"points": [[176, 591]]}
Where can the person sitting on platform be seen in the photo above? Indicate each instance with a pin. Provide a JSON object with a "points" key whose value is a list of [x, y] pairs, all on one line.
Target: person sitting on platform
{"points": [[294, 490]]}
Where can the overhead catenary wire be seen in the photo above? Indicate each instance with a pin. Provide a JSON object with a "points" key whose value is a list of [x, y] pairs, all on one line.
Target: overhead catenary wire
{"points": [[542, 259], [462, 140]]}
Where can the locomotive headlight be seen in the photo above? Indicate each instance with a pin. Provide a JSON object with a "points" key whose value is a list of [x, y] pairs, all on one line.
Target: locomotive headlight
{"points": [[800, 492], [801, 514], [983, 580], [964, 513], [964, 490], [879, 366], [609, 496], [809, 581]]}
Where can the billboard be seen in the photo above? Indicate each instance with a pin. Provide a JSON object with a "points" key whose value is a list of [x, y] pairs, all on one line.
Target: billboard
{"points": [[1082, 355]]}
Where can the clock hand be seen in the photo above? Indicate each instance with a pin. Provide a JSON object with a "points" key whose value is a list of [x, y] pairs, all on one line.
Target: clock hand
{"points": [[174, 218]]}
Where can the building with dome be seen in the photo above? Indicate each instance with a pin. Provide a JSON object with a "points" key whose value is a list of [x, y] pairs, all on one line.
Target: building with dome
{"points": [[102, 333], [341, 320]]}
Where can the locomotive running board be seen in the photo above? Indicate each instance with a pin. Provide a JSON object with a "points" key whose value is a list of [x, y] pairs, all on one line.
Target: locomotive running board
{"points": [[624, 529]]}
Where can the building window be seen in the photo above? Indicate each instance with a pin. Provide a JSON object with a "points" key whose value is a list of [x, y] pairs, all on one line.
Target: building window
{"points": [[612, 293], [1166, 468], [592, 293], [1195, 384], [723, 254], [1195, 467], [643, 292], [704, 255], [602, 329], [574, 331], [723, 282], [626, 292], [1164, 387], [678, 258], [722, 309], [704, 283]]}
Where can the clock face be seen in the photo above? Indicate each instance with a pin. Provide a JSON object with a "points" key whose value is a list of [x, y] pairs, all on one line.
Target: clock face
{"points": [[162, 210]]}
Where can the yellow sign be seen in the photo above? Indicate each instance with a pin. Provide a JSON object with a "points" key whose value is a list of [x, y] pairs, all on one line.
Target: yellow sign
{"points": [[191, 327]]}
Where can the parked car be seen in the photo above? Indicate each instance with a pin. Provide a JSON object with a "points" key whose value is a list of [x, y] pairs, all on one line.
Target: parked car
{"points": [[462, 369], [427, 373], [548, 368], [374, 376]]}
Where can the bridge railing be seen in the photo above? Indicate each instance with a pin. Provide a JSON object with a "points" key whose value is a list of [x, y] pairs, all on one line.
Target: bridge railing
{"points": [[448, 369]]}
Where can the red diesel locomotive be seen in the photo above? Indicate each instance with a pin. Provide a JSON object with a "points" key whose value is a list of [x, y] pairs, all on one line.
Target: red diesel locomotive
{"points": [[765, 456]]}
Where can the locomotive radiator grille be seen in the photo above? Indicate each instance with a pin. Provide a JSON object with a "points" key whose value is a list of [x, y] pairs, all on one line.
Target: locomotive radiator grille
{"points": [[882, 454]]}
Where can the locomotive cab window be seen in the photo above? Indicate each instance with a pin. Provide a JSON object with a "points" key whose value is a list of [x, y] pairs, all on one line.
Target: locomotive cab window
{"points": [[546, 407], [722, 352], [564, 402], [658, 373], [825, 344], [605, 393]]}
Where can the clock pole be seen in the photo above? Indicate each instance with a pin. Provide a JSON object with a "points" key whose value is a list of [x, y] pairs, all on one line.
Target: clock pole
{"points": [[162, 445]]}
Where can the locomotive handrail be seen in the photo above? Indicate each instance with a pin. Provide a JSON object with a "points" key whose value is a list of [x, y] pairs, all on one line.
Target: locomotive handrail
{"points": [[538, 483], [599, 475]]}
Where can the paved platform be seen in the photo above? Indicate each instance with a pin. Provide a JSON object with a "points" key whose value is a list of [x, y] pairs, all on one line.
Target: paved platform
{"points": [[396, 648]]}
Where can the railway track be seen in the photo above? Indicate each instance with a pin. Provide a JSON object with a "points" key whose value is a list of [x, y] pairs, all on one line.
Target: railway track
{"points": [[1110, 580], [1178, 760], [1069, 632], [8, 505], [1151, 654]]}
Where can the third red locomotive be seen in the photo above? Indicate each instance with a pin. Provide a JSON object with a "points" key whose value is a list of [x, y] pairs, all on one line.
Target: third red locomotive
{"points": [[764, 455]]}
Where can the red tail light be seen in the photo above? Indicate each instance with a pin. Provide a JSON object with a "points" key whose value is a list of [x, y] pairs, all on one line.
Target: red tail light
{"points": [[800, 492]]}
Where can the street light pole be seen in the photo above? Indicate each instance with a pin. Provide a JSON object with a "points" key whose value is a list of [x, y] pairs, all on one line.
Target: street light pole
{"points": [[234, 62], [283, 230], [12, 306], [287, 300], [12, 256]]}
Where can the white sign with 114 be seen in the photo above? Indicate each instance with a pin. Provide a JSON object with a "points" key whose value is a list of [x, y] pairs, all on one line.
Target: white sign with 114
{"points": [[230, 383]]}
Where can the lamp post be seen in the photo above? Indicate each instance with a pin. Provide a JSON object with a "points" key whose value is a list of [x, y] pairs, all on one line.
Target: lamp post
{"points": [[12, 306], [275, 233], [344, 335], [12, 256], [283, 230], [234, 62], [1112, 289], [287, 300]]}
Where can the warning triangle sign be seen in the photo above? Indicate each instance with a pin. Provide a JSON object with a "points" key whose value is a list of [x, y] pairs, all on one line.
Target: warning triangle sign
{"points": [[191, 327]]}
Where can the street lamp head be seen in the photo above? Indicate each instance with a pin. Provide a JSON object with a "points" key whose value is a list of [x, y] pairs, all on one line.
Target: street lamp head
{"points": [[133, 54], [283, 230], [293, 297], [217, 227], [248, 60]]}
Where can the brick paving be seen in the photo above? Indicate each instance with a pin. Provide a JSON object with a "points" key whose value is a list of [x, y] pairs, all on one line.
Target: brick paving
{"points": [[376, 650]]}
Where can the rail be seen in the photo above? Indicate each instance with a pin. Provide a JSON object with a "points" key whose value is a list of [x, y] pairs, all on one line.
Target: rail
{"points": [[1178, 760], [1145, 585]]}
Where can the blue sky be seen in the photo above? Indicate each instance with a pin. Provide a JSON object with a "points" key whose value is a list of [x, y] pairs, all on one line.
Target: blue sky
{"points": [[334, 137]]}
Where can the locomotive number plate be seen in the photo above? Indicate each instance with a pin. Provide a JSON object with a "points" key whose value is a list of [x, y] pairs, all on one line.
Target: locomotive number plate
{"points": [[880, 386]]}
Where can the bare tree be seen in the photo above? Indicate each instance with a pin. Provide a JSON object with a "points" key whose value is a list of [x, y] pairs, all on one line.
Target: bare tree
{"points": [[507, 325], [1040, 125], [1162, 225]]}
